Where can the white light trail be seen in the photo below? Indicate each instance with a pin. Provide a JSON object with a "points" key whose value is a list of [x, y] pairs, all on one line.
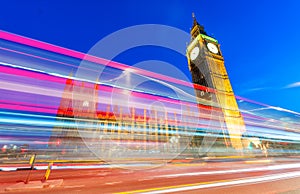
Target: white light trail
{"points": [[273, 167], [226, 183]]}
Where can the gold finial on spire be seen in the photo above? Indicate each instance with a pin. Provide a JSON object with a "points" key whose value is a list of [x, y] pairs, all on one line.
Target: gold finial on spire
{"points": [[194, 18]]}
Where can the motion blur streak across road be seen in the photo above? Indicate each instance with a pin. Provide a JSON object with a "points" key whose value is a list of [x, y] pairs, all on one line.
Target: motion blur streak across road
{"points": [[220, 183], [218, 176]]}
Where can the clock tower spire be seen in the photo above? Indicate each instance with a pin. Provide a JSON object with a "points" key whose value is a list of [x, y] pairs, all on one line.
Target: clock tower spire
{"points": [[196, 28]]}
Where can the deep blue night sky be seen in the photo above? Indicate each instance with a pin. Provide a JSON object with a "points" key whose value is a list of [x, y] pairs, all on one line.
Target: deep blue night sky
{"points": [[259, 39]]}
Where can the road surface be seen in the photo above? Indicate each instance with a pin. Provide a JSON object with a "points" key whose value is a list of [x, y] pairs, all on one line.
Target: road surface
{"points": [[202, 176]]}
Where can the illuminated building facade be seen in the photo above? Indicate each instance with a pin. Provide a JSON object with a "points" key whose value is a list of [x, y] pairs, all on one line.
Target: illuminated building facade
{"points": [[87, 124], [212, 84], [77, 109]]}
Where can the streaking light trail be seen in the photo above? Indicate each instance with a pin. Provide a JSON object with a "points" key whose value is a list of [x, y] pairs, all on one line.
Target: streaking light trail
{"points": [[46, 107]]}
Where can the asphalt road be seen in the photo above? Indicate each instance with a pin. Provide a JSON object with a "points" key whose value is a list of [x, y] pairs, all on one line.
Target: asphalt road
{"points": [[247, 176]]}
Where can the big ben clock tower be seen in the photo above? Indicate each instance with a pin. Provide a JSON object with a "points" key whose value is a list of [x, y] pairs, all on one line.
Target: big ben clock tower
{"points": [[206, 64]]}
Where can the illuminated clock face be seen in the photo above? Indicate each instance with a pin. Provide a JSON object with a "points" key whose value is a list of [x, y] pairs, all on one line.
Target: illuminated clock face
{"points": [[212, 48], [194, 53]]}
